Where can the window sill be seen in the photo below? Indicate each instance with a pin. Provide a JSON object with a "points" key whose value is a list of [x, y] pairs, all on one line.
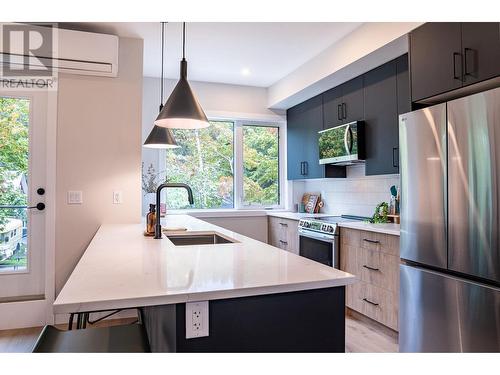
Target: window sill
{"points": [[224, 212]]}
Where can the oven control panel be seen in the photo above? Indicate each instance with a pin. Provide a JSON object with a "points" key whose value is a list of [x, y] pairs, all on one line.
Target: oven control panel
{"points": [[317, 226]]}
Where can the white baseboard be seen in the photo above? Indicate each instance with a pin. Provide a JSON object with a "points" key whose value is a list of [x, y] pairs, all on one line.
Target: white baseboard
{"points": [[23, 314]]}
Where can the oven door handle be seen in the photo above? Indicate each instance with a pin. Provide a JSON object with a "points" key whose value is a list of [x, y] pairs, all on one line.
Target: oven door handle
{"points": [[318, 236]]}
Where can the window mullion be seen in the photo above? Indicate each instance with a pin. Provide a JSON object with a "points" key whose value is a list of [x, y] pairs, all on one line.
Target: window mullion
{"points": [[238, 165]]}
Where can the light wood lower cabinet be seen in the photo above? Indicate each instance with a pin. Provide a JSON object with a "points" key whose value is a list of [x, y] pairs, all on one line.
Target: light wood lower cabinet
{"points": [[374, 259], [283, 233]]}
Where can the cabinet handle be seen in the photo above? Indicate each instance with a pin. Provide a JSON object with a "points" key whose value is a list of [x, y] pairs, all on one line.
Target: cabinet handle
{"points": [[306, 168], [370, 241], [339, 112], [394, 164], [283, 242], [284, 224], [455, 54], [370, 302], [466, 70], [301, 168], [370, 268], [344, 111]]}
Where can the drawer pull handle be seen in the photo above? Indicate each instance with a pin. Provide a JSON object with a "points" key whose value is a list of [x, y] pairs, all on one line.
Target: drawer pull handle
{"points": [[284, 224], [284, 242], [370, 302], [370, 241], [370, 268]]}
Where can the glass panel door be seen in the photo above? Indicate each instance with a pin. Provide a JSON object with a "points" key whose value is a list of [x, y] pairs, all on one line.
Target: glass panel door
{"points": [[22, 174]]}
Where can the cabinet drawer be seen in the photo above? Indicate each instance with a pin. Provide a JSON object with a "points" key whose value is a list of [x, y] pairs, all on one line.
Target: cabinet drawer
{"points": [[283, 233], [376, 303], [378, 268], [385, 243]]}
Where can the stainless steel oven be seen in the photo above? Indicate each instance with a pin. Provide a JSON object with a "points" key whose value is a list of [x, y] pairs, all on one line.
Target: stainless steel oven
{"points": [[321, 247]]}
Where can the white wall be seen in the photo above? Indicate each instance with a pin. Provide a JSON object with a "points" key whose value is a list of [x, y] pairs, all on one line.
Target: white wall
{"points": [[98, 151], [355, 195]]}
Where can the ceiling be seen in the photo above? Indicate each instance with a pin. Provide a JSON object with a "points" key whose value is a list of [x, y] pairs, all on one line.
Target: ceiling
{"points": [[253, 54]]}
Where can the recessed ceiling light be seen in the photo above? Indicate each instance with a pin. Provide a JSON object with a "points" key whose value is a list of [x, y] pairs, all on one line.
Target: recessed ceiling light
{"points": [[245, 71]]}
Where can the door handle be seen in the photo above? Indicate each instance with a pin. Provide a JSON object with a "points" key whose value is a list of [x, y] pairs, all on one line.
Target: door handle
{"points": [[370, 241], [306, 168], [370, 302], [39, 206], [394, 164], [339, 112], [344, 111], [459, 77], [284, 224], [301, 168], [370, 268], [283, 242]]}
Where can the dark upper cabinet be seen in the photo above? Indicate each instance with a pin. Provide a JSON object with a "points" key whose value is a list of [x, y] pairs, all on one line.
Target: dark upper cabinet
{"points": [[481, 51], [332, 108], [303, 123], [435, 59], [448, 55], [343, 103], [381, 119], [403, 84]]}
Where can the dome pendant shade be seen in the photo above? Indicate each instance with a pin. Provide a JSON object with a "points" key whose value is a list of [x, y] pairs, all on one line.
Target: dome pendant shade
{"points": [[160, 138], [182, 110]]}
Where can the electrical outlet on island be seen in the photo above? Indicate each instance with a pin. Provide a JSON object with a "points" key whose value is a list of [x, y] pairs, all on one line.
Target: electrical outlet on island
{"points": [[196, 319]]}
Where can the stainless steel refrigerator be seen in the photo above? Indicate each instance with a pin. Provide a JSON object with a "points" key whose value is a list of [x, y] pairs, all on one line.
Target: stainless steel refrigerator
{"points": [[450, 224]]}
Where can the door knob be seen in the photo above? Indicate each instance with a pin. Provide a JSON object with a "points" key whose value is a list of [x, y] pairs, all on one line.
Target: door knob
{"points": [[39, 206]]}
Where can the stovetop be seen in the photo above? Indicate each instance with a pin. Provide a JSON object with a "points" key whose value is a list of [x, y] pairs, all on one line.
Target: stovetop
{"points": [[326, 224]]}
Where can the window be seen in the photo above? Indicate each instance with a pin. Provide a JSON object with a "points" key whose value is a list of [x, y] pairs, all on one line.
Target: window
{"points": [[229, 165], [261, 165], [204, 162]]}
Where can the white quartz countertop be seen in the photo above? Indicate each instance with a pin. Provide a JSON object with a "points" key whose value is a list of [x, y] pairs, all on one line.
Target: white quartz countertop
{"points": [[121, 268], [388, 228], [293, 215]]}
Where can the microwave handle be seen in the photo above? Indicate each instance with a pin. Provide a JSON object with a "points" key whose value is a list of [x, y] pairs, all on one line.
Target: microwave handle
{"points": [[348, 139]]}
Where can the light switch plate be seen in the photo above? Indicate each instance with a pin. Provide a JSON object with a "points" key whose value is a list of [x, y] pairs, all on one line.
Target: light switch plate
{"points": [[196, 319], [117, 197], [75, 197]]}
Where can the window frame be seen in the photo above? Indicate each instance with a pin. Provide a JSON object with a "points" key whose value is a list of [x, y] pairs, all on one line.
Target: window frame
{"points": [[238, 124]]}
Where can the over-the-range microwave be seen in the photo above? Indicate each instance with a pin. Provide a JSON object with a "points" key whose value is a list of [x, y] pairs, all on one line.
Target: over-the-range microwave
{"points": [[343, 144]]}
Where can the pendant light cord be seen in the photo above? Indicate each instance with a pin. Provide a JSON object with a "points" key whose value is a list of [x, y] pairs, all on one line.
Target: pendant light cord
{"points": [[162, 50], [183, 40]]}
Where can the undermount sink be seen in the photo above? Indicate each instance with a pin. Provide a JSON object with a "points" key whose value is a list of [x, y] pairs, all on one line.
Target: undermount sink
{"points": [[198, 239]]}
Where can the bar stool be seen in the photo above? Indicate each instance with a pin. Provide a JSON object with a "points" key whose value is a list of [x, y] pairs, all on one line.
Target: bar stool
{"points": [[130, 338]]}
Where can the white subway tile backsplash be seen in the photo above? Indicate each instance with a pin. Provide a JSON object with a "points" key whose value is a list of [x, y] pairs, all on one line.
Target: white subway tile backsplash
{"points": [[356, 195]]}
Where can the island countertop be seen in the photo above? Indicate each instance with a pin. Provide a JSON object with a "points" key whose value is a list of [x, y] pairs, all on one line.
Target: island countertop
{"points": [[121, 269]]}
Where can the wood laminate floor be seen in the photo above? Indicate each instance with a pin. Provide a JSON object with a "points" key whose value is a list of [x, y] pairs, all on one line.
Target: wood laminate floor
{"points": [[362, 336]]}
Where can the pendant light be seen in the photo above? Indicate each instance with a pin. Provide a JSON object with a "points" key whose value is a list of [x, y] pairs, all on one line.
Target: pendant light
{"points": [[182, 110], [161, 137]]}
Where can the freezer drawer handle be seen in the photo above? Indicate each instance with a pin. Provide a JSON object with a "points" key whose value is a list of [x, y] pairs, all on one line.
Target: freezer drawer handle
{"points": [[371, 268], [370, 241], [370, 302]]}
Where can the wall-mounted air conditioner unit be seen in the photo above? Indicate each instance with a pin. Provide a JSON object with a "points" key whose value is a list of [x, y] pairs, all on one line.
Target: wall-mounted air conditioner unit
{"points": [[74, 52]]}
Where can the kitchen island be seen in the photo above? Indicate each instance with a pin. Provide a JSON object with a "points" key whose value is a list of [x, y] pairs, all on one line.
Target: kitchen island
{"points": [[260, 298]]}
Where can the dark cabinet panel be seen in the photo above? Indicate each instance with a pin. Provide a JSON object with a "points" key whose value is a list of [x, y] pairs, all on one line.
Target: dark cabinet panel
{"points": [[343, 103], [303, 123], [332, 108], [381, 120], [352, 100], [481, 51], [403, 84], [435, 59]]}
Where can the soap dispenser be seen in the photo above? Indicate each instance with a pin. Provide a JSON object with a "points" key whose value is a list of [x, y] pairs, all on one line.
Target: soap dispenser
{"points": [[150, 221]]}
